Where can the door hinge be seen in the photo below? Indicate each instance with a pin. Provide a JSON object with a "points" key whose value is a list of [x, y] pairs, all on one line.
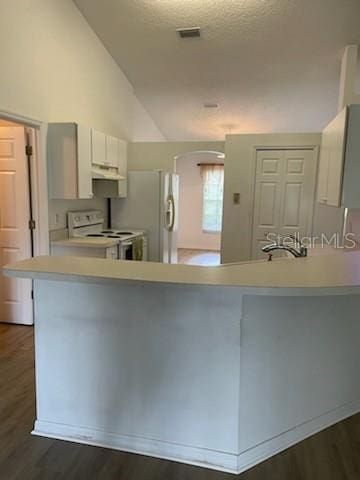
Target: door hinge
{"points": [[32, 225], [32, 294], [28, 150]]}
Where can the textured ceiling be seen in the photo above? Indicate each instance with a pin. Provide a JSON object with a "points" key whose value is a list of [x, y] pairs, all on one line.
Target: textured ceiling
{"points": [[271, 65]]}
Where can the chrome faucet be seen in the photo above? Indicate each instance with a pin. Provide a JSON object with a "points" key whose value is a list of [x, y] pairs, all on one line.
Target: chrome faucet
{"points": [[301, 252]]}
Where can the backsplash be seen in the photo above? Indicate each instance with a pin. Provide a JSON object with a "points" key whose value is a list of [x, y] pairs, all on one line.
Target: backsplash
{"points": [[59, 208]]}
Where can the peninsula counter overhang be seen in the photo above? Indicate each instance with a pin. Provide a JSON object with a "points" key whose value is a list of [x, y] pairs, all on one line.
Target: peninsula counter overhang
{"points": [[335, 274]]}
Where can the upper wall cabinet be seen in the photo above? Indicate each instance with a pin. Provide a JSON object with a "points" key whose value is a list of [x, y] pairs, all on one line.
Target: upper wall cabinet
{"points": [[84, 162], [111, 164], [112, 151], [339, 168], [69, 160], [98, 147], [122, 157]]}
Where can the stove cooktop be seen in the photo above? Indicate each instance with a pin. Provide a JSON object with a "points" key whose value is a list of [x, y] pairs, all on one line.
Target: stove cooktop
{"points": [[110, 234], [114, 232]]}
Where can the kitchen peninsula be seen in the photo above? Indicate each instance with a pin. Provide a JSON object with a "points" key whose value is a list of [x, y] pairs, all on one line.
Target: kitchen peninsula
{"points": [[215, 366]]}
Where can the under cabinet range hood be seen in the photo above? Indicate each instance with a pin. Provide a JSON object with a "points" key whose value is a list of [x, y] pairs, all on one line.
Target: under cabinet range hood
{"points": [[105, 173]]}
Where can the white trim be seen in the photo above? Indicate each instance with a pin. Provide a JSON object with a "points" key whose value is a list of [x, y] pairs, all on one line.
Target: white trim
{"points": [[38, 178], [222, 461], [273, 446], [18, 118], [216, 153], [202, 457]]}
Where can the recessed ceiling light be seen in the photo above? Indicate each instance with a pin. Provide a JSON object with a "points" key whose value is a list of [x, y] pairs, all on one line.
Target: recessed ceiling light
{"points": [[211, 105], [190, 32]]}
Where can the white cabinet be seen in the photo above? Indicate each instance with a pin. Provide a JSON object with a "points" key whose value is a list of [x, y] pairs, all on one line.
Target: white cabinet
{"points": [[332, 161], [69, 160], [339, 168], [351, 177], [112, 151], [98, 147], [84, 161], [112, 163], [122, 157]]}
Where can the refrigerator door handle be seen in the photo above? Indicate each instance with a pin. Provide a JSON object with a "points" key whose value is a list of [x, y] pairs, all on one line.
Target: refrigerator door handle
{"points": [[170, 213]]}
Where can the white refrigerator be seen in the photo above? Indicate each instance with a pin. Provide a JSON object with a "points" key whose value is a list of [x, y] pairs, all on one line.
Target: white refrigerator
{"points": [[151, 205]]}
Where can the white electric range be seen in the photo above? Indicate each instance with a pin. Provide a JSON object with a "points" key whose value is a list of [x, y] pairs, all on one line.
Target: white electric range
{"points": [[88, 236]]}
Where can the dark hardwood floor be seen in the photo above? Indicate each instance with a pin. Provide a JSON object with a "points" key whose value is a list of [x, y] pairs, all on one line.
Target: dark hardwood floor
{"points": [[333, 454]]}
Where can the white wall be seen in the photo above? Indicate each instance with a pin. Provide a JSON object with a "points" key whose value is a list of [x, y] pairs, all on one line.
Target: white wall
{"points": [[59, 208], [239, 177], [191, 234], [54, 68], [160, 155], [353, 225]]}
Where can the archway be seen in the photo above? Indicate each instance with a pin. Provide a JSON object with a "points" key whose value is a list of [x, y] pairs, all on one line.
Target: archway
{"points": [[200, 206]]}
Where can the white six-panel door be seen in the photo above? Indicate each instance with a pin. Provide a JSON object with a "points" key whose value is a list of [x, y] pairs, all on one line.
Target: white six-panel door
{"points": [[284, 195], [15, 240]]}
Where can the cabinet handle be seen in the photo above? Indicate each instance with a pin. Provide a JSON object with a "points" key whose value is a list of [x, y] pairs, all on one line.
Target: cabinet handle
{"points": [[324, 199]]}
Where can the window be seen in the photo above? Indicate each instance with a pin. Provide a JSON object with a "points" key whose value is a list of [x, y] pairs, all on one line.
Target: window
{"points": [[213, 191]]}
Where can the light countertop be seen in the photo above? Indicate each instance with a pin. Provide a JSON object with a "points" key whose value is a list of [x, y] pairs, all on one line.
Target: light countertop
{"points": [[86, 242], [318, 275]]}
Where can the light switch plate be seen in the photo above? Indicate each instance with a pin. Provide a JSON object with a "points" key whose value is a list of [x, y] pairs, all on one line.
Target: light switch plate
{"points": [[236, 198]]}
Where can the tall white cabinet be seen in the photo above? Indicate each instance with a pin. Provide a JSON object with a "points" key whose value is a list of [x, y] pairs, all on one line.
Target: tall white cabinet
{"points": [[69, 161], [339, 168]]}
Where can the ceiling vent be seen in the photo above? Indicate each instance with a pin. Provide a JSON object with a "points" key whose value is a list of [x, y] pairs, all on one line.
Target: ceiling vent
{"points": [[191, 32], [210, 105]]}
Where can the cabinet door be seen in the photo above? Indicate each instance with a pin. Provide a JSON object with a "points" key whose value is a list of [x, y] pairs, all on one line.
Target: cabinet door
{"points": [[332, 161], [62, 151], [336, 131], [98, 144], [112, 152], [84, 162], [122, 157], [322, 190], [351, 191]]}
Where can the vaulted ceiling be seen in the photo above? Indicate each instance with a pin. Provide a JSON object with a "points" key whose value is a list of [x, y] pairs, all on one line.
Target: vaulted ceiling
{"points": [[270, 65]]}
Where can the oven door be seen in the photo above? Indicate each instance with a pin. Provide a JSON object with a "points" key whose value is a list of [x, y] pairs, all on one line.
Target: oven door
{"points": [[126, 250]]}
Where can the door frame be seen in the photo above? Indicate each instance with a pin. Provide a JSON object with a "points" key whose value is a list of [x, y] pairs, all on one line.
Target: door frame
{"points": [[315, 149], [38, 178]]}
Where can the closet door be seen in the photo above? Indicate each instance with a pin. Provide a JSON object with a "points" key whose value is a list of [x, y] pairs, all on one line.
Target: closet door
{"points": [[297, 193], [269, 166], [284, 196]]}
